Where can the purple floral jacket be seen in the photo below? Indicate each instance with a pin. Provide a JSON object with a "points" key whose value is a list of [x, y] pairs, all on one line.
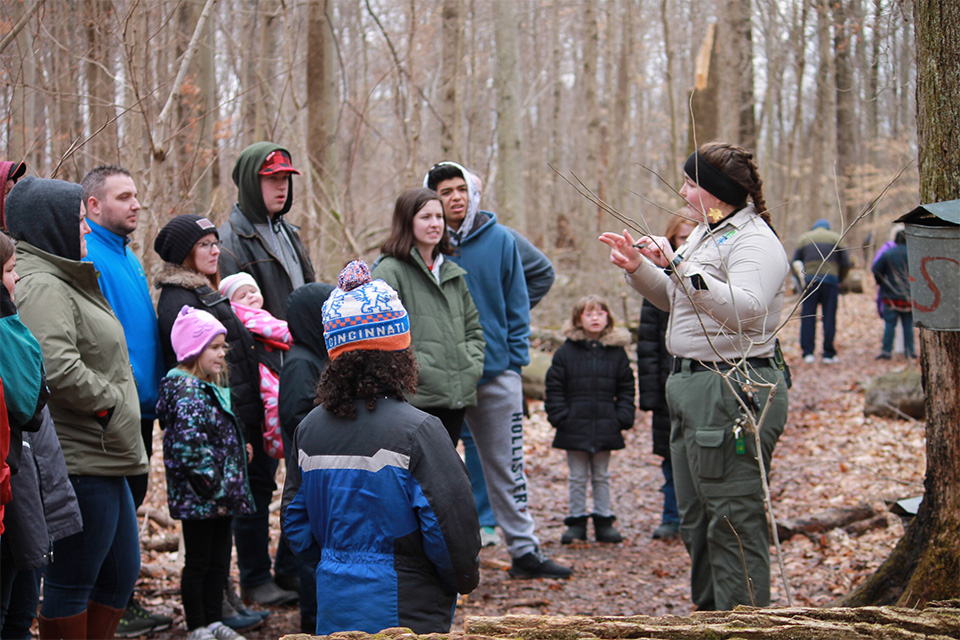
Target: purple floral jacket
{"points": [[203, 450]]}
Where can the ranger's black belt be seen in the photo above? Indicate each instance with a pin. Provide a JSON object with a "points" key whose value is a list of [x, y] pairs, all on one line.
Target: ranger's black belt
{"points": [[697, 365]]}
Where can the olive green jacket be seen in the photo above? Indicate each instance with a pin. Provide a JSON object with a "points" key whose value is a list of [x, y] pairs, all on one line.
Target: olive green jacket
{"points": [[445, 329], [87, 365]]}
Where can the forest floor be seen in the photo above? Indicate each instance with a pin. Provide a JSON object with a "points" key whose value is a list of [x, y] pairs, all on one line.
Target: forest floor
{"points": [[830, 456]]}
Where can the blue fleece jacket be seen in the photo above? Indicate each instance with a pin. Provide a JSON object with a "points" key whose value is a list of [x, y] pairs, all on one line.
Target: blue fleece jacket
{"points": [[124, 285], [496, 282]]}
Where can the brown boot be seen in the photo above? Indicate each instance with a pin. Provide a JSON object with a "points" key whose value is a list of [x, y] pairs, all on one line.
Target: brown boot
{"points": [[102, 621], [72, 628]]}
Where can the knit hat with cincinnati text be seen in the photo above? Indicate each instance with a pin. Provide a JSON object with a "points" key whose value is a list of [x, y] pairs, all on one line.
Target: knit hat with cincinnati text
{"points": [[362, 314]]}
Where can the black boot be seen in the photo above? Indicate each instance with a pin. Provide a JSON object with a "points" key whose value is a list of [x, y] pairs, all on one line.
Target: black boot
{"points": [[576, 529], [603, 525]]}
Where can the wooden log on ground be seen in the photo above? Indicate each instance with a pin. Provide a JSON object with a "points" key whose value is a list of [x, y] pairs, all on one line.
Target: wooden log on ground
{"points": [[825, 521], [937, 621]]}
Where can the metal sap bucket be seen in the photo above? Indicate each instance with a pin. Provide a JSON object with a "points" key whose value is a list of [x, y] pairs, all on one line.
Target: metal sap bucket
{"points": [[933, 257]]}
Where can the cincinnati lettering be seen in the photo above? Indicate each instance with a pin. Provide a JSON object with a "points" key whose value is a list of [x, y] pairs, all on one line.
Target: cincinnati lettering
{"points": [[365, 332]]}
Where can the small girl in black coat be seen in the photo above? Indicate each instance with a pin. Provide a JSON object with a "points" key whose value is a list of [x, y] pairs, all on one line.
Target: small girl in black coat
{"points": [[589, 401]]}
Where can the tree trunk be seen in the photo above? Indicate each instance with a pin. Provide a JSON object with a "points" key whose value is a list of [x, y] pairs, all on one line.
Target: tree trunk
{"points": [[846, 105], [321, 121], [103, 147], [591, 104], [450, 79], [743, 47], [925, 565], [670, 54], [508, 113]]}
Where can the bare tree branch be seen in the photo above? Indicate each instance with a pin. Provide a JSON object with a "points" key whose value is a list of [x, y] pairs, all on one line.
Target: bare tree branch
{"points": [[21, 23]]}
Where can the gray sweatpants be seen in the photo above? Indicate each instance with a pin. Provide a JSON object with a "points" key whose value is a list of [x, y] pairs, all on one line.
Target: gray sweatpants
{"points": [[496, 424]]}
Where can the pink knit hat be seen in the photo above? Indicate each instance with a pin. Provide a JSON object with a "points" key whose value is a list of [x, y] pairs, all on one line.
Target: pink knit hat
{"points": [[193, 331]]}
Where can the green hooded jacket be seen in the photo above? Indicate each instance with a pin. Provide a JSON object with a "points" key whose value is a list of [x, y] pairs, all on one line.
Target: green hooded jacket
{"points": [[88, 369]]}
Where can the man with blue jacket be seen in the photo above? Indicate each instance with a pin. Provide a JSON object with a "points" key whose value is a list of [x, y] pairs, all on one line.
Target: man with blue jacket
{"points": [[495, 278], [110, 198]]}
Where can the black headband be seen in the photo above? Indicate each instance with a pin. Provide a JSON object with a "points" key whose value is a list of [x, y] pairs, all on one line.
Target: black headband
{"points": [[714, 180]]}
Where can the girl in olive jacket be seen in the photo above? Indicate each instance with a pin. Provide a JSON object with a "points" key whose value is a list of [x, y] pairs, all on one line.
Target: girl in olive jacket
{"points": [[444, 322]]}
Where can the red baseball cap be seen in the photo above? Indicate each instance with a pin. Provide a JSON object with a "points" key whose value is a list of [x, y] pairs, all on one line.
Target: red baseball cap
{"points": [[277, 162]]}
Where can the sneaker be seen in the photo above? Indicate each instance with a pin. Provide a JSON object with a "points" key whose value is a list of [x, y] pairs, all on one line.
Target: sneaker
{"points": [[137, 621], [830, 360], [883, 356], [220, 631], [810, 358], [201, 633], [667, 531], [537, 565], [268, 593], [489, 537]]}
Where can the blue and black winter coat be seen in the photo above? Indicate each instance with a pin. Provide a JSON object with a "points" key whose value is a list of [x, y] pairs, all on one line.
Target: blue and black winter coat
{"points": [[383, 504], [203, 450]]}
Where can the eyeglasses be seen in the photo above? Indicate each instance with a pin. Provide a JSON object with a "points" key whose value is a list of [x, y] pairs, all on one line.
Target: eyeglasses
{"points": [[207, 246]]}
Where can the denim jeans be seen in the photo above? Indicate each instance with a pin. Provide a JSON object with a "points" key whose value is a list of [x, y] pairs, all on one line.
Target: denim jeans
{"points": [[890, 318], [477, 481], [595, 469], [671, 513], [102, 562], [20, 604], [251, 532], [822, 292]]}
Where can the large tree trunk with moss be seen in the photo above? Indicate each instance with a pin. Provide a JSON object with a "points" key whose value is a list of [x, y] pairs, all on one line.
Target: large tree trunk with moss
{"points": [[925, 565]]}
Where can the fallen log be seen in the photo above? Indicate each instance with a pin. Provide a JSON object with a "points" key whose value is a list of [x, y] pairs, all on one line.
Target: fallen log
{"points": [[825, 521], [937, 621]]}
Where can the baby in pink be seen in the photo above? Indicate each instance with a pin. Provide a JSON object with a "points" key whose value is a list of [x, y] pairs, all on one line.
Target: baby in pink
{"points": [[247, 302]]}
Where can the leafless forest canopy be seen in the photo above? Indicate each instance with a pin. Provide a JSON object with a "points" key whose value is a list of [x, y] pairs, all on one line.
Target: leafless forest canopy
{"points": [[530, 94]]}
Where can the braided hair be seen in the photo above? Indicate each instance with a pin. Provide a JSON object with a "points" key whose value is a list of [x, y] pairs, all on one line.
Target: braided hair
{"points": [[738, 165]]}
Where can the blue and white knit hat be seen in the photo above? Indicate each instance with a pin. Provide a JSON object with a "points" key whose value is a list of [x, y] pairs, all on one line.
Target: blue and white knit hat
{"points": [[364, 314]]}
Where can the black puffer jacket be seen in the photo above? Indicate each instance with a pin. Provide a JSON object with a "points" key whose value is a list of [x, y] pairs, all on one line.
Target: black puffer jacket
{"points": [[653, 368], [306, 360], [590, 392], [181, 286]]}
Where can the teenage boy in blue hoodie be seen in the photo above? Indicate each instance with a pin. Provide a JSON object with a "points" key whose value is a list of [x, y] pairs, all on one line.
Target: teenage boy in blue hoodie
{"points": [[495, 278], [110, 198]]}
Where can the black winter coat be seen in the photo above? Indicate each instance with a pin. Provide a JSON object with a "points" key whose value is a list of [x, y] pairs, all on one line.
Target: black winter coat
{"points": [[305, 361], [653, 368], [243, 249], [181, 286], [44, 507], [590, 392]]}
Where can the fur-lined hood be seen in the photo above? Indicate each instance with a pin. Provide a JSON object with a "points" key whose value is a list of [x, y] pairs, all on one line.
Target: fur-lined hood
{"points": [[619, 337], [179, 276]]}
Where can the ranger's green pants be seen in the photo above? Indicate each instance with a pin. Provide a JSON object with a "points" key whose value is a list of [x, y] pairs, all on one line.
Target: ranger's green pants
{"points": [[723, 522]]}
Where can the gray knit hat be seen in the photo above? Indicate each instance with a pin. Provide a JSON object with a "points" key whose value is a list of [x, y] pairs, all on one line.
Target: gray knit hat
{"points": [[175, 241]]}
